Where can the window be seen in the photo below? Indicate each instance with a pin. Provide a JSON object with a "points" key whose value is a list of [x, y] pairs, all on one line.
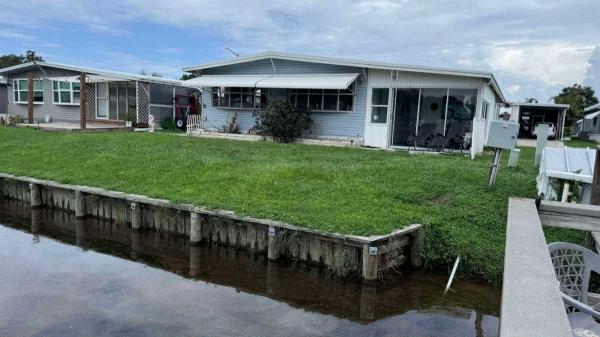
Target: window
{"points": [[21, 91], [238, 98], [64, 92], [322, 99], [484, 109], [379, 105]]}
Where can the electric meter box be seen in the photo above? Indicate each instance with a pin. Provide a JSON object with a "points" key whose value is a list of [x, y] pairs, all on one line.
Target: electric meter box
{"points": [[503, 134]]}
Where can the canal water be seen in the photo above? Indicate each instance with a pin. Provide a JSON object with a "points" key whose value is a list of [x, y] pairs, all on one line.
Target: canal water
{"points": [[60, 276]]}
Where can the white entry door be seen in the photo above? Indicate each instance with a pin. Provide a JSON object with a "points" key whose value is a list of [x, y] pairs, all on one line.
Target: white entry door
{"points": [[102, 100], [378, 115]]}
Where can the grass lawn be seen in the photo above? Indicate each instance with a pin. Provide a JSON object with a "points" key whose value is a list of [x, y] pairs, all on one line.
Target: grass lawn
{"points": [[352, 191], [581, 143]]}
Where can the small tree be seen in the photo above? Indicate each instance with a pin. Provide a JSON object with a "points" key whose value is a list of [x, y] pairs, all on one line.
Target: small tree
{"points": [[579, 97], [283, 121]]}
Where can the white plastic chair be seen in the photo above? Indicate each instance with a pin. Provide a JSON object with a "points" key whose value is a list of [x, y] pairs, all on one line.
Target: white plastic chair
{"points": [[573, 265]]}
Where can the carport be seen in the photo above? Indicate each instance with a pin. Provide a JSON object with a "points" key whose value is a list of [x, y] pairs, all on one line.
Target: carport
{"points": [[529, 115]]}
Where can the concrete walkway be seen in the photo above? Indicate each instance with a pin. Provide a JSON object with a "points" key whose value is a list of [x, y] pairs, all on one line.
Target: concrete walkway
{"points": [[531, 143]]}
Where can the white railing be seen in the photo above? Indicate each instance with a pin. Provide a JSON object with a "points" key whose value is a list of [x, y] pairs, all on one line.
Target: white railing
{"points": [[194, 123]]}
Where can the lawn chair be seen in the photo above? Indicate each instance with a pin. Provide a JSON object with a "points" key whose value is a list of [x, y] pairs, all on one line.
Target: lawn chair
{"points": [[455, 137], [573, 265], [426, 134]]}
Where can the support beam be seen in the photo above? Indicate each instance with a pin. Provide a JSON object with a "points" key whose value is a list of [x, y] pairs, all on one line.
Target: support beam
{"points": [[273, 245], [79, 204], [29, 98], [36, 195], [82, 102], [195, 228], [370, 261], [136, 216]]}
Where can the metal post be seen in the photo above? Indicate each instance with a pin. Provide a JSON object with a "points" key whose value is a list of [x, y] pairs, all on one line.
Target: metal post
{"points": [[494, 168], [542, 138], [29, 98], [82, 102]]}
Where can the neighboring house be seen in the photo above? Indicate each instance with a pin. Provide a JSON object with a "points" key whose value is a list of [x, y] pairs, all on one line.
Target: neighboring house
{"points": [[3, 97], [368, 103], [110, 96], [589, 126], [528, 115]]}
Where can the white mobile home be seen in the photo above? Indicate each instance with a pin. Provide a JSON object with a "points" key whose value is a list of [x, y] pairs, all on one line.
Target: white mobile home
{"points": [[367, 103]]}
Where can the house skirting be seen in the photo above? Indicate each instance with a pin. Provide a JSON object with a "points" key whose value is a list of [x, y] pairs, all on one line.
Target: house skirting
{"points": [[594, 136], [312, 140]]}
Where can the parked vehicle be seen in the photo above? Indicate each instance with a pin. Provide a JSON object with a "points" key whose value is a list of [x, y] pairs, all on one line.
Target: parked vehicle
{"points": [[551, 130], [184, 106]]}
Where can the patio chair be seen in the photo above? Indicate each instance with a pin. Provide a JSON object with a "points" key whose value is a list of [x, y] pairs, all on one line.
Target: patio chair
{"points": [[426, 134], [573, 265], [455, 137]]}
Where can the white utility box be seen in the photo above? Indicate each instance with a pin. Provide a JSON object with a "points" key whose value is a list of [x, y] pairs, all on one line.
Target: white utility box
{"points": [[503, 134]]}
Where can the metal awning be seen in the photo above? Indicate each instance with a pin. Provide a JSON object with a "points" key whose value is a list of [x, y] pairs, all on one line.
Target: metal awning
{"points": [[304, 81], [88, 78]]}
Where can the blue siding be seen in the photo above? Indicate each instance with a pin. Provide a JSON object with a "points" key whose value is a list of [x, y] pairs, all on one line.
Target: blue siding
{"points": [[346, 124]]}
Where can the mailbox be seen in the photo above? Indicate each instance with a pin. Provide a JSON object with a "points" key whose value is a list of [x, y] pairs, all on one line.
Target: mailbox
{"points": [[503, 134]]}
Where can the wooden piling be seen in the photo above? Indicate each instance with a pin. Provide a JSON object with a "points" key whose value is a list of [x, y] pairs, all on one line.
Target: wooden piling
{"points": [[370, 260], [79, 204], [195, 228], [36, 195], [136, 216], [273, 245], [416, 247]]}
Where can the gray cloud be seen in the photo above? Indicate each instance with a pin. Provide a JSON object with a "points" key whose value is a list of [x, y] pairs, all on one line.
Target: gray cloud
{"points": [[534, 47]]}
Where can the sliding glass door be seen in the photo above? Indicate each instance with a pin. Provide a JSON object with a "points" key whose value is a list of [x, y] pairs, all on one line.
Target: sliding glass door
{"points": [[431, 112], [406, 109]]}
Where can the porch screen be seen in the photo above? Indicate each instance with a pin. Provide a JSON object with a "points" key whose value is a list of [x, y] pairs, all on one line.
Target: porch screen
{"points": [[461, 106]]}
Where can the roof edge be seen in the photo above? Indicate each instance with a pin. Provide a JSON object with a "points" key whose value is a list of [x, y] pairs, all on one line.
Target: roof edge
{"points": [[127, 76]]}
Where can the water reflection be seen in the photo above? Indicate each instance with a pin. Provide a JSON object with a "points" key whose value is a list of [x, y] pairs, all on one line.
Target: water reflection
{"points": [[238, 294]]}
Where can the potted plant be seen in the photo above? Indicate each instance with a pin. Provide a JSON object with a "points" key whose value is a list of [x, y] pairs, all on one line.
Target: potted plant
{"points": [[128, 120]]}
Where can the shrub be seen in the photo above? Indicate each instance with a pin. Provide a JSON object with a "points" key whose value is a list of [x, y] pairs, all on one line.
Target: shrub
{"points": [[283, 121], [16, 119], [231, 126], [168, 124]]}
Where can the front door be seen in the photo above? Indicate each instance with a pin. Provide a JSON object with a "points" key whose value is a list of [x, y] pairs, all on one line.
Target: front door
{"points": [[101, 101], [376, 123]]}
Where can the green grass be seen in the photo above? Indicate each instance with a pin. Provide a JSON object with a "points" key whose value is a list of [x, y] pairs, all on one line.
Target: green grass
{"points": [[581, 143], [351, 191]]}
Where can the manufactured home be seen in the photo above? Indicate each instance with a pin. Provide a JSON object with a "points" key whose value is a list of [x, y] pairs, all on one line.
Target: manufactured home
{"points": [[3, 97], [366, 103], [111, 97], [589, 126]]}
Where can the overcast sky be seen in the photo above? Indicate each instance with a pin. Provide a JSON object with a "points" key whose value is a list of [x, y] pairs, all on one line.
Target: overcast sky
{"points": [[533, 47]]}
